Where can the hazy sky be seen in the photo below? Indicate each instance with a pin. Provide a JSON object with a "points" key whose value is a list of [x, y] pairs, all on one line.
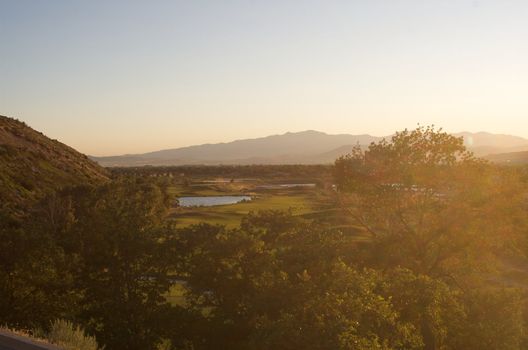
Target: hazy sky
{"points": [[112, 77]]}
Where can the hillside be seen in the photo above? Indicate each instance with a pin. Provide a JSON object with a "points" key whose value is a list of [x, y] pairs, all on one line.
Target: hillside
{"points": [[509, 158], [32, 165], [307, 147]]}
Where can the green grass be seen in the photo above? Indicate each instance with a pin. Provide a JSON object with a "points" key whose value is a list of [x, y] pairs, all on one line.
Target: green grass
{"points": [[230, 215], [176, 295], [311, 204], [299, 201], [206, 190]]}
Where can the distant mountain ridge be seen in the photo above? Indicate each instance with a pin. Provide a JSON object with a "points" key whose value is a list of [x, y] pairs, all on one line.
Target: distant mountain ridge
{"points": [[484, 143], [306, 147], [32, 165]]}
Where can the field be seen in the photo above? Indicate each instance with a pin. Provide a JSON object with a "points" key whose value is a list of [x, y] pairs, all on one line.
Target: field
{"points": [[262, 183], [176, 294], [300, 201]]}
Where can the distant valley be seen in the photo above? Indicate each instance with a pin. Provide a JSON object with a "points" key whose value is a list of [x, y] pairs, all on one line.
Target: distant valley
{"points": [[306, 147]]}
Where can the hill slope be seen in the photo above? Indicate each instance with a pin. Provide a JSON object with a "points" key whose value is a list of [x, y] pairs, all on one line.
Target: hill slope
{"points": [[509, 158], [32, 165], [307, 147]]}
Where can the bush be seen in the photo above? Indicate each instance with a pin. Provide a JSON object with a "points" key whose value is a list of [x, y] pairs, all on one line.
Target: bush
{"points": [[70, 337]]}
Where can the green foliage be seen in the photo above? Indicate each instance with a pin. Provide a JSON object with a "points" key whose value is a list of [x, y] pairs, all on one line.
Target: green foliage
{"points": [[428, 204], [35, 277], [278, 283], [117, 233], [93, 254], [494, 320]]}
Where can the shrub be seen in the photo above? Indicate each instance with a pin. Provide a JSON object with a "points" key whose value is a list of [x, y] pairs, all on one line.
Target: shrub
{"points": [[70, 337]]}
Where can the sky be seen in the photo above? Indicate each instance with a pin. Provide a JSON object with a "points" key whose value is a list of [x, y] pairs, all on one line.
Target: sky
{"points": [[113, 77]]}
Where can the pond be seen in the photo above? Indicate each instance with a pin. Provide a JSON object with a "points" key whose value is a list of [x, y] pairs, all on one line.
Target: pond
{"points": [[209, 201], [279, 186]]}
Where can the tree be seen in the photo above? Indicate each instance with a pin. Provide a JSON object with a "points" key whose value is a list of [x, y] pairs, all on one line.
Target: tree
{"points": [[428, 204], [111, 237], [494, 320], [36, 284], [280, 283], [439, 221], [123, 273]]}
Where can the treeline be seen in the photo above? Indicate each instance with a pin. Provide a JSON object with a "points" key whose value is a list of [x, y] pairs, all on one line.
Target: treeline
{"points": [[441, 227], [230, 171]]}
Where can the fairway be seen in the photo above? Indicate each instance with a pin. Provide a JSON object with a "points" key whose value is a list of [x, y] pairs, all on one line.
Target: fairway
{"points": [[176, 294], [298, 200], [230, 215]]}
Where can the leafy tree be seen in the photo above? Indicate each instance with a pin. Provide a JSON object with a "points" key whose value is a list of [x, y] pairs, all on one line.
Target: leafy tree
{"points": [[35, 279], [447, 218], [494, 320], [432, 306], [122, 273], [277, 282], [342, 309], [109, 240], [428, 204]]}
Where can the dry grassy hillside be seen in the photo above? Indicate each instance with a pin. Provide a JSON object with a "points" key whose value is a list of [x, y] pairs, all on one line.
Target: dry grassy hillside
{"points": [[32, 165]]}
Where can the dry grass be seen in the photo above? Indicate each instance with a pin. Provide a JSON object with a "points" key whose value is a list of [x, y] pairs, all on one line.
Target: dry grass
{"points": [[63, 334]]}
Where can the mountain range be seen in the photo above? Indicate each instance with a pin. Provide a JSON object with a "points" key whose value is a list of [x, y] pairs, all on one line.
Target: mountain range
{"points": [[306, 147]]}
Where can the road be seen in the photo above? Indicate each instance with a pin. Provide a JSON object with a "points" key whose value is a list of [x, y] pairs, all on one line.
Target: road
{"points": [[10, 341]]}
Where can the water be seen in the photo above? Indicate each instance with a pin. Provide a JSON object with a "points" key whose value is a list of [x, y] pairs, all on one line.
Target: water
{"points": [[279, 186], [210, 201]]}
